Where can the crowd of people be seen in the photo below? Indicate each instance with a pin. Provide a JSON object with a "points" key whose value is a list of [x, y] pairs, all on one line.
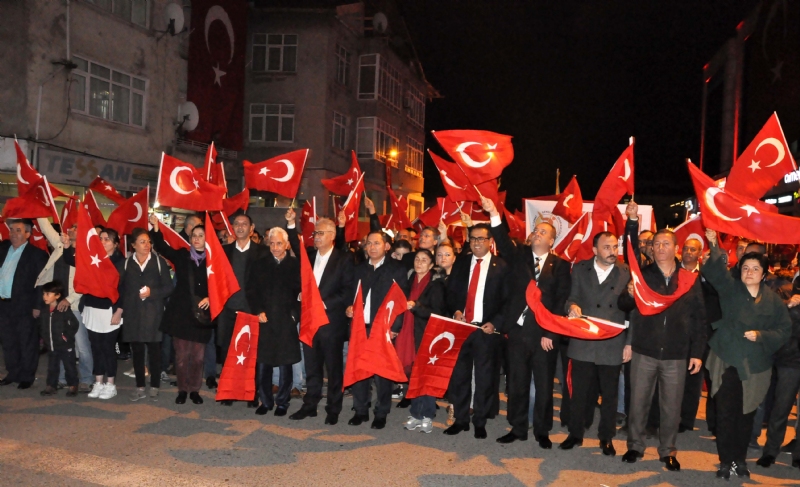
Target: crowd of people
{"points": [[734, 329]]}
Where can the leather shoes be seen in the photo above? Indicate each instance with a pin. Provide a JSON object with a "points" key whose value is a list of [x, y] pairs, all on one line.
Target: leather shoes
{"points": [[683, 429], [608, 448], [195, 397], [378, 423], [24, 385], [544, 442], [671, 463], [303, 414], [509, 438], [456, 428], [181, 399], [795, 463], [357, 419], [631, 456], [262, 410], [765, 461], [570, 443], [480, 432], [281, 410], [6, 382], [226, 402], [211, 382], [331, 419]]}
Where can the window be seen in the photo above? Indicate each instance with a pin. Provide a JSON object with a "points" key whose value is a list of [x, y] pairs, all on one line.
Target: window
{"points": [[274, 53], [391, 88], [376, 139], [271, 123], [414, 156], [377, 79], [415, 103], [342, 65], [368, 77], [106, 93], [339, 130], [135, 11]]}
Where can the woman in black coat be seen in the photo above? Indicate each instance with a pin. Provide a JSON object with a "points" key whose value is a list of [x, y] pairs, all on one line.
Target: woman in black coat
{"points": [[187, 319], [272, 291]]}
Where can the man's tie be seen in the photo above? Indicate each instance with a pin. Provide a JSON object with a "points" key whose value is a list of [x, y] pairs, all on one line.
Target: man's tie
{"points": [[469, 309], [536, 270]]}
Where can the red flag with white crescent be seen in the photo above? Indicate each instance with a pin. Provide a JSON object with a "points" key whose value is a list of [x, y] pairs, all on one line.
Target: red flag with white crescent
{"points": [[281, 174], [180, 185], [482, 155], [222, 283], [312, 309], [27, 176], [570, 202], [351, 208], [399, 209], [437, 355], [237, 382], [617, 184], [355, 370], [650, 302], [37, 202], [692, 228], [308, 221], [132, 213], [343, 185], [95, 274], [172, 238], [37, 237], [103, 187], [585, 327], [90, 203]]}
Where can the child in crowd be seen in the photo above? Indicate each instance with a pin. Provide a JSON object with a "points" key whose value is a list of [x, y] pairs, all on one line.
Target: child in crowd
{"points": [[57, 329]]}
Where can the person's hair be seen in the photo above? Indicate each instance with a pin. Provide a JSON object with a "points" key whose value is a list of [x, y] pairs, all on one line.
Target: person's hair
{"points": [[645, 231], [482, 226], [25, 221], [760, 258], [256, 234], [193, 215], [432, 229], [112, 234], [427, 253], [666, 231], [383, 235], [279, 232], [55, 287], [553, 231], [446, 244], [325, 222], [762, 248], [401, 244], [201, 227], [138, 232], [601, 234], [241, 213]]}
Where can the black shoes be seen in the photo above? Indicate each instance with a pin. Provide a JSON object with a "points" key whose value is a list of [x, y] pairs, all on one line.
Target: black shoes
{"points": [[724, 471], [796, 463], [378, 423], [357, 419], [262, 410], [404, 403], [740, 469], [226, 402], [631, 456], [49, 391], [672, 463], [683, 429], [509, 438], [253, 403], [195, 397], [608, 448], [456, 428], [544, 442], [765, 461], [181, 399], [480, 432], [303, 414], [6, 382], [24, 385], [331, 418], [72, 391], [211, 382], [570, 443], [281, 410]]}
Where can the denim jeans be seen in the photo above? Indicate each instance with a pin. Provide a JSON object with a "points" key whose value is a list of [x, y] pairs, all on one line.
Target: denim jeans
{"points": [[84, 350], [423, 407]]}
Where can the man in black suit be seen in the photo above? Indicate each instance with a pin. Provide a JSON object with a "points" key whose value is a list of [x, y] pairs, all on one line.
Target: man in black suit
{"points": [[242, 254], [376, 275], [476, 291], [330, 266], [19, 300], [530, 348]]}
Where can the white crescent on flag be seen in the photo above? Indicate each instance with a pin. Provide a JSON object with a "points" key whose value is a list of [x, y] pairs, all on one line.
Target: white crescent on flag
{"points": [[173, 180], [467, 159]]}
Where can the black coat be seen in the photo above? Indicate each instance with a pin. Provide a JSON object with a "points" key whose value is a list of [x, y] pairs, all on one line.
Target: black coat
{"points": [[431, 301], [495, 288], [25, 296], [272, 289], [58, 329], [376, 283], [141, 318], [179, 319], [254, 254]]}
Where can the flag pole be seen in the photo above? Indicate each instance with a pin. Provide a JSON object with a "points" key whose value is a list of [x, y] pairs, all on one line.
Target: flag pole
{"points": [[558, 174]]}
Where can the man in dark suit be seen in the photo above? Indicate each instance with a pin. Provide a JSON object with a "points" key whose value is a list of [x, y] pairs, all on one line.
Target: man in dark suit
{"points": [[19, 300], [530, 348], [330, 266], [476, 291], [376, 275], [242, 254]]}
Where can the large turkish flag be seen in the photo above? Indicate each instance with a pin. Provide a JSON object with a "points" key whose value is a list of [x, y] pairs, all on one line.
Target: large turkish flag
{"points": [[95, 274], [238, 379], [585, 327], [281, 174], [481, 154], [181, 186], [650, 302]]}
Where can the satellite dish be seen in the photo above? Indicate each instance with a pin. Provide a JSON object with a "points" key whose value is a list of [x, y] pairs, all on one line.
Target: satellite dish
{"points": [[188, 116], [173, 15], [380, 23]]}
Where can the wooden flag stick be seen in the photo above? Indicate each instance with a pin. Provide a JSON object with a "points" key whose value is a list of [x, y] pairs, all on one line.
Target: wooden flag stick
{"points": [[291, 205]]}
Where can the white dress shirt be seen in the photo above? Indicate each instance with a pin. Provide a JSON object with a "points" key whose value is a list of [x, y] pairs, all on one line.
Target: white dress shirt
{"points": [[367, 318], [245, 248], [477, 310], [602, 274], [319, 264]]}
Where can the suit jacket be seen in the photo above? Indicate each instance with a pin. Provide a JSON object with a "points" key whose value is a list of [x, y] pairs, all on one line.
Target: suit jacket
{"points": [[379, 281], [494, 293], [600, 301], [554, 282], [254, 253], [25, 296]]}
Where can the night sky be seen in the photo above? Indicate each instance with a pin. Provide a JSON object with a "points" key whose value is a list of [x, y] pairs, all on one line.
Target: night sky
{"points": [[571, 81]]}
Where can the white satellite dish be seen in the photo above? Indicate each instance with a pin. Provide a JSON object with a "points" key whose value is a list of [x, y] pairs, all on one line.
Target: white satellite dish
{"points": [[188, 116], [380, 23], [173, 16]]}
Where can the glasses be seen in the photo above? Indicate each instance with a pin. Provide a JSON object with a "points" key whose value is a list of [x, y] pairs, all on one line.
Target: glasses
{"points": [[478, 240], [320, 233]]}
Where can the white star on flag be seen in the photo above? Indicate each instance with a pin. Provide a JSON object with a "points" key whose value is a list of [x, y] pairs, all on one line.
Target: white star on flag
{"points": [[196, 183], [749, 209], [95, 261], [754, 166], [350, 216], [349, 182], [240, 359], [209, 271], [108, 187], [263, 171], [432, 360], [218, 74]]}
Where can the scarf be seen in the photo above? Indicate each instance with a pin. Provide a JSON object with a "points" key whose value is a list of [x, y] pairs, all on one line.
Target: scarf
{"points": [[404, 343], [196, 256]]}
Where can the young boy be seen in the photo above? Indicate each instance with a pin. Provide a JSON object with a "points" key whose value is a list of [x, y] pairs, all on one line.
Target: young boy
{"points": [[57, 329]]}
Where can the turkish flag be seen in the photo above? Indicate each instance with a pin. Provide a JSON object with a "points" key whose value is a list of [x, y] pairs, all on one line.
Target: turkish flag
{"points": [[570, 203], [569, 247], [728, 243], [724, 211], [388, 222], [482, 155], [95, 274], [585, 327], [27, 176], [692, 228], [399, 209], [355, 370], [235, 203], [516, 227], [37, 202], [650, 302], [308, 220], [4, 232], [618, 183], [101, 186], [455, 182], [181, 186], [69, 212], [237, 382], [216, 70], [213, 170], [343, 185], [37, 238], [222, 283], [90, 203], [445, 210], [437, 355], [281, 174], [172, 238], [763, 163], [350, 209], [131, 213], [312, 309]]}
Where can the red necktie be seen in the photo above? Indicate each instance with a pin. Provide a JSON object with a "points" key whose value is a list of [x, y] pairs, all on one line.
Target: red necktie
{"points": [[469, 309]]}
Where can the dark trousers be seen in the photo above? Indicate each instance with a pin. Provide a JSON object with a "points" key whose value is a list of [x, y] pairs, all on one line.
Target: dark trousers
{"points": [[264, 383], [54, 360], [692, 390], [561, 345], [210, 357], [423, 407], [788, 383], [733, 427], [188, 364], [324, 356], [362, 395], [154, 355], [478, 350], [711, 405], [167, 352], [20, 339], [586, 377], [526, 356], [104, 353]]}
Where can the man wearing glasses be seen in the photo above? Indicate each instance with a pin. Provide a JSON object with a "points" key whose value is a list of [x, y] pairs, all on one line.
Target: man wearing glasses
{"points": [[330, 265], [476, 292]]}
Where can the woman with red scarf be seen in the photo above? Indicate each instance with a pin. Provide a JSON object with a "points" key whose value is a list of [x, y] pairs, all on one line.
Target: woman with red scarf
{"points": [[427, 297]]}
